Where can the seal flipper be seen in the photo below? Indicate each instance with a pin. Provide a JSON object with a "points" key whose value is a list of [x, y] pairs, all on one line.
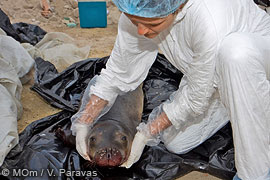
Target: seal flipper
{"points": [[66, 136]]}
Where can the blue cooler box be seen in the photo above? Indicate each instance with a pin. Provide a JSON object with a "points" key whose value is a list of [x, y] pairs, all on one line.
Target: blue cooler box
{"points": [[92, 14]]}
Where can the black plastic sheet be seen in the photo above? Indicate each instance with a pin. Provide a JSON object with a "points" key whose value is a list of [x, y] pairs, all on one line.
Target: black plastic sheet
{"points": [[6, 25], [40, 151], [64, 90], [21, 32], [265, 3], [29, 33]]}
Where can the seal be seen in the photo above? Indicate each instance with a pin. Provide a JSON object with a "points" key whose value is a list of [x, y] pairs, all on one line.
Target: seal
{"points": [[111, 136]]}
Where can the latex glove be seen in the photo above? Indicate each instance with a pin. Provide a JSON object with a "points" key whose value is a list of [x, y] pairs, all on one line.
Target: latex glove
{"points": [[82, 122], [147, 134], [137, 147], [81, 139]]}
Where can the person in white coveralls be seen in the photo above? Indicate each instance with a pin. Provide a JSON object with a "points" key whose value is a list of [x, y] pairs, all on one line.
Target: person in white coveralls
{"points": [[223, 49]]}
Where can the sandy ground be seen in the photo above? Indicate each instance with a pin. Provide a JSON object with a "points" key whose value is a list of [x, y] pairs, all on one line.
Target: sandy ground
{"points": [[101, 41]]}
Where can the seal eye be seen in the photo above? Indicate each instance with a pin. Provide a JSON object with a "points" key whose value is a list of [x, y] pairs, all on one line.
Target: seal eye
{"points": [[92, 139], [124, 138]]}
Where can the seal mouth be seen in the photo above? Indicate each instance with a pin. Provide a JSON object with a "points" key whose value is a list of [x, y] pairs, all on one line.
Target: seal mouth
{"points": [[109, 157]]}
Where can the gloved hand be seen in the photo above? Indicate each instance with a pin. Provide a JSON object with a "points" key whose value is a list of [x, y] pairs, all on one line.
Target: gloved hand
{"points": [[81, 139], [148, 134], [82, 122], [138, 144]]}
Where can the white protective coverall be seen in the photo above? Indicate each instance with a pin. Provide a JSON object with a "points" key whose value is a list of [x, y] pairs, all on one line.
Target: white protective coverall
{"points": [[223, 49]]}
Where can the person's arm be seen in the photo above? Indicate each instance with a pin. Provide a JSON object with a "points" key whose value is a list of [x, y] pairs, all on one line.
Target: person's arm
{"points": [[161, 123], [192, 99], [92, 109]]}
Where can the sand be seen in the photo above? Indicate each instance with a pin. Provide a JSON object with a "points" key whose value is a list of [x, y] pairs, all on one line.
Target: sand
{"points": [[101, 41]]}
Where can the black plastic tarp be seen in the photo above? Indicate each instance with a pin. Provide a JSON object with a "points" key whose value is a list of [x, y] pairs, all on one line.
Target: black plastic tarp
{"points": [[29, 33], [265, 3], [41, 151], [6, 25], [21, 32]]}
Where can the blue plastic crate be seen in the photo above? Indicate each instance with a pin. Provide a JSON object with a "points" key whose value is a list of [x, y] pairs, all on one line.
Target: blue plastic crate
{"points": [[93, 14]]}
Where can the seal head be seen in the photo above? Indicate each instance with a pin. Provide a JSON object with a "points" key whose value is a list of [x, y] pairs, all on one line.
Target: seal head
{"points": [[109, 143]]}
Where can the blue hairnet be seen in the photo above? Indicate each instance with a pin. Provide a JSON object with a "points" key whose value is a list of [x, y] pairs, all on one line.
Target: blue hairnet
{"points": [[148, 8]]}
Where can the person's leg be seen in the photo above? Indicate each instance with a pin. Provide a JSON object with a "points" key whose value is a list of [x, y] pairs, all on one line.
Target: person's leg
{"points": [[243, 69], [196, 130]]}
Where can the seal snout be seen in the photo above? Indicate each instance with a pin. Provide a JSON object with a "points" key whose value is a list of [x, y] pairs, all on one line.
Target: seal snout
{"points": [[108, 157]]}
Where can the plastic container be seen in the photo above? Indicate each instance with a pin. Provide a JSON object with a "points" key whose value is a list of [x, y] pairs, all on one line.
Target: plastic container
{"points": [[93, 14]]}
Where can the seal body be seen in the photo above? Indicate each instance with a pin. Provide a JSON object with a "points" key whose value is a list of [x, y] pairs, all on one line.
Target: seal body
{"points": [[110, 138]]}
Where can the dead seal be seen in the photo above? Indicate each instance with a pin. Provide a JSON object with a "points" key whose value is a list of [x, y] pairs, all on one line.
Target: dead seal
{"points": [[110, 138]]}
